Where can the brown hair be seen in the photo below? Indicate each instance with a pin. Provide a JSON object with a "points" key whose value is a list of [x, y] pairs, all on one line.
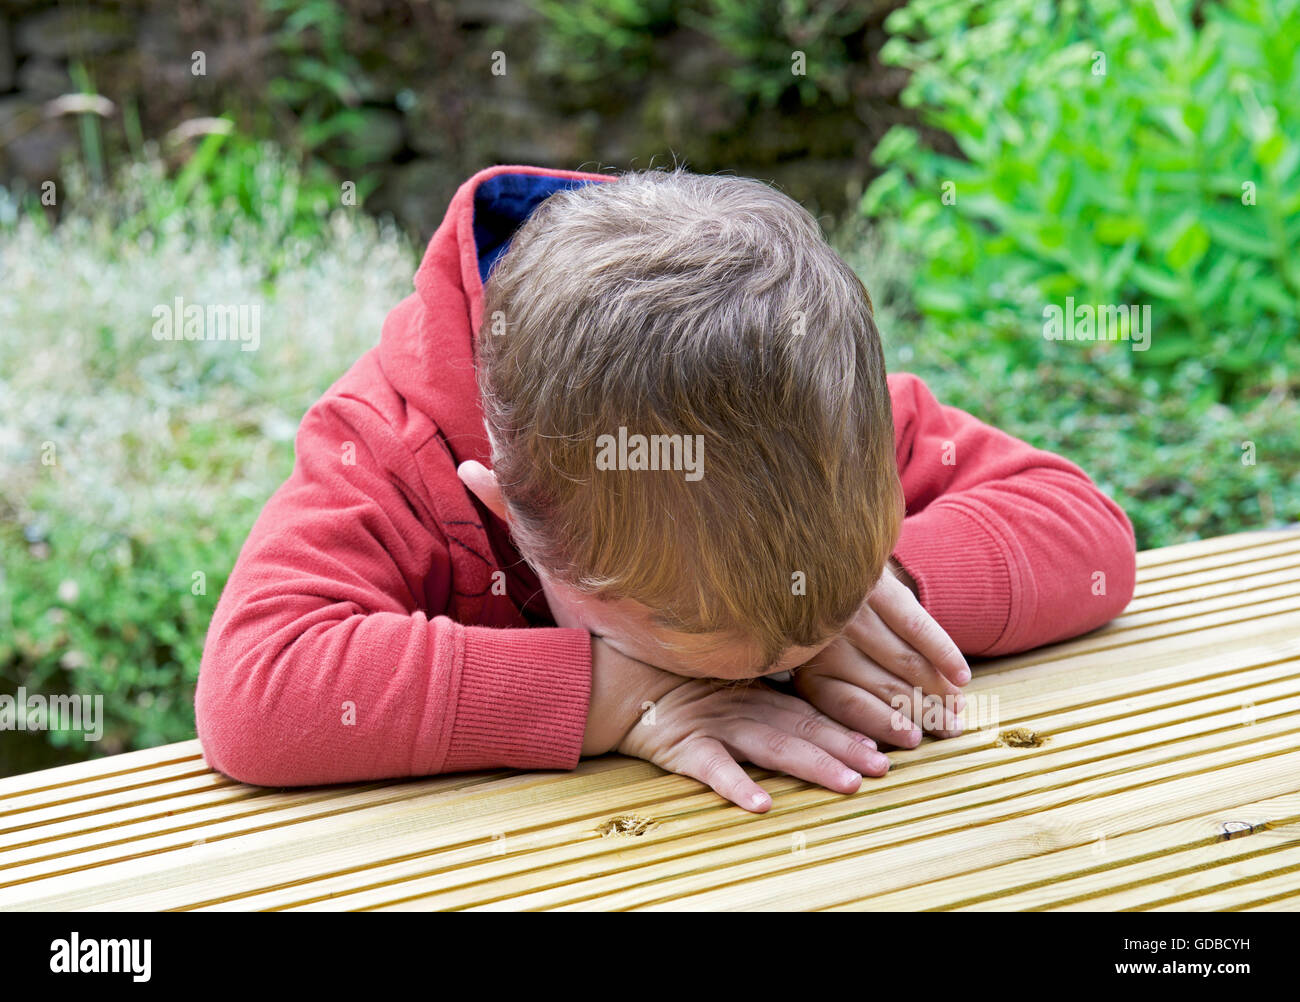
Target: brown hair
{"points": [[674, 304]]}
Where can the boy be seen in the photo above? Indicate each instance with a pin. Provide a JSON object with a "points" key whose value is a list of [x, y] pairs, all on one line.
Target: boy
{"points": [[659, 450]]}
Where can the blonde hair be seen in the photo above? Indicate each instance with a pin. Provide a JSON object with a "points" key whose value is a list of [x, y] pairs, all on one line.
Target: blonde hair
{"points": [[670, 303]]}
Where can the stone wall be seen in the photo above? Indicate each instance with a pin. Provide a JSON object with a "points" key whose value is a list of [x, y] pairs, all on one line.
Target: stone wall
{"points": [[427, 109]]}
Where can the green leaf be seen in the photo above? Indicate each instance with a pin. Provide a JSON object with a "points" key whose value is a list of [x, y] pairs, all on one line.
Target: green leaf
{"points": [[1189, 247], [1156, 281]]}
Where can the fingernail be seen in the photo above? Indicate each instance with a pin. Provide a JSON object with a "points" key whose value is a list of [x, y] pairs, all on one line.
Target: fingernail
{"points": [[849, 778], [963, 676], [878, 761], [759, 800]]}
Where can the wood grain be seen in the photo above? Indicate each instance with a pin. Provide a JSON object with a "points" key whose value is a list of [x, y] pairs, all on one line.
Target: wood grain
{"points": [[1166, 776]]}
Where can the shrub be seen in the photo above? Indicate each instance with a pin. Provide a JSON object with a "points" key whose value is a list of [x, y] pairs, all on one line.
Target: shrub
{"points": [[1113, 152], [1181, 464], [132, 469], [763, 38], [588, 40]]}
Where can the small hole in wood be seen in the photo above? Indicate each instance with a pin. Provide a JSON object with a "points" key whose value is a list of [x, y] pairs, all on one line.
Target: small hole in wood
{"points": [[1022, 737], [627, 824]]}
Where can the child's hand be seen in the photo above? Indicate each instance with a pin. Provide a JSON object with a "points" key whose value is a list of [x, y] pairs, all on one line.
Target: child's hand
{"points": [[888, 669], [700, 730]]}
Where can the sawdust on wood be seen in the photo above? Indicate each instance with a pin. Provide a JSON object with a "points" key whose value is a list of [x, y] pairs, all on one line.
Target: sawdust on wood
{"points": [[1021, 737], [627, 824]]}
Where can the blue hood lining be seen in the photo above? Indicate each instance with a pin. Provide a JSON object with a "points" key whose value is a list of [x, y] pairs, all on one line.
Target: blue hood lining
{"points": [[502, 203]]}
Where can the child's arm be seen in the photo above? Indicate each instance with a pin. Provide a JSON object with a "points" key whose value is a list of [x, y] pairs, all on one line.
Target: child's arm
{"points": [[1010, 546], [321, 664]]}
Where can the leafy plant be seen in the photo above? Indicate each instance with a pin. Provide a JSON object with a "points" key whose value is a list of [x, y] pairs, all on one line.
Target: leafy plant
{"points": [[228, 186], [1112, 152], [324, 77], [590, 39], [765, 36], [131, 469], [598, 39], [1181, 464], [322, 91]]}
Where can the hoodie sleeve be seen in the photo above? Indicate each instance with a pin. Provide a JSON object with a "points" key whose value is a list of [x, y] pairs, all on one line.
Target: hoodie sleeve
{"points": [[321, 664], [1011, 547]]}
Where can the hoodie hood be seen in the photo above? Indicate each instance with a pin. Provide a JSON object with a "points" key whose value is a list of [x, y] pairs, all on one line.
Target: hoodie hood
{"points": [[427, 346]]}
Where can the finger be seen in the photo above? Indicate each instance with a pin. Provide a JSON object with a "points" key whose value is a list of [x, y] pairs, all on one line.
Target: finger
{"points": [[850, 747], [934, 714], [876, 638], [773, 748], [863, 710], [843, 660], [711, 763], [801, 718], [894, 602], [800, 707]]}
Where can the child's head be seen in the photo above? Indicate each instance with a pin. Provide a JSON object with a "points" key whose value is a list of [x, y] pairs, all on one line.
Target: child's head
{"points": [[671, 304]]}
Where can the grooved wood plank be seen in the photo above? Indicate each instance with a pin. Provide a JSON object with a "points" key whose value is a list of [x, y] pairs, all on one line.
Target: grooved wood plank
{"points": [[1164, 773], [1151, 855], [1250, 881], [886, 846], [1242, 543], [1235, 582], [983, 768], [126, 765]]}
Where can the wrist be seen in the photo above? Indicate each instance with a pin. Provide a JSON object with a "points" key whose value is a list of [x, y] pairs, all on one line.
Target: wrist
{"points": [[622, 689]]}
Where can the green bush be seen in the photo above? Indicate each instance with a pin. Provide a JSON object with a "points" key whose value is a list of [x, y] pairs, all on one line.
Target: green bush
{"points": [[586, 40], [592, 40], [320, 92], [1113, 152], [763, 36], [132, 469], [1181, 464]]}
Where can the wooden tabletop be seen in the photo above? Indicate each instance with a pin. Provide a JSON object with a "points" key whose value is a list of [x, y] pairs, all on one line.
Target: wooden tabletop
{"points": [[1154, 764]]}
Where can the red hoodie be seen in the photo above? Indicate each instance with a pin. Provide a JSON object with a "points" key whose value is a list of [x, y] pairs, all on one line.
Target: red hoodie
{"points": [[379, 623]]}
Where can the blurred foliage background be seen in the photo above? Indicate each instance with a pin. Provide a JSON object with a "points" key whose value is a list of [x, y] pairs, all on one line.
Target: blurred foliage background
{"points": [[967, 158]]}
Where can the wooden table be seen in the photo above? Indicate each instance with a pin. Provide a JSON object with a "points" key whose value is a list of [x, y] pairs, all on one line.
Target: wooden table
{"points": [[1154, 764]]}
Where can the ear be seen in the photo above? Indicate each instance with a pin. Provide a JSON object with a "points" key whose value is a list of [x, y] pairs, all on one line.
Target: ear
{"points": [[482, 483]]}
